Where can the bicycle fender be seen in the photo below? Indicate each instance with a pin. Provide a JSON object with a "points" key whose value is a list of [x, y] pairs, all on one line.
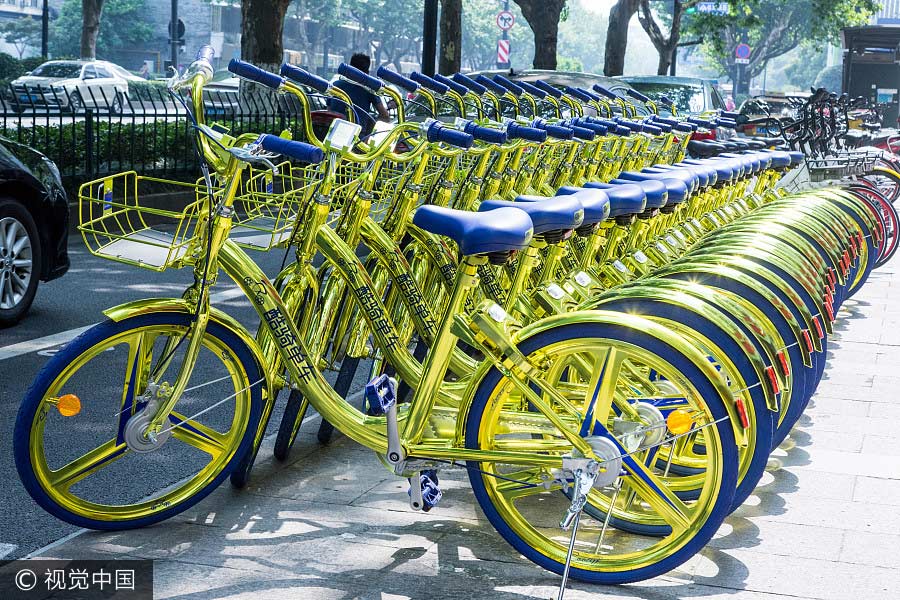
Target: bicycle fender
{"points": [[178, 305]]}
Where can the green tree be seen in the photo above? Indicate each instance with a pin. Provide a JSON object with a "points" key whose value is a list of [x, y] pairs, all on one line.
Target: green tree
{"points": [[666, 43], [829, 78], [392, 27], [581, 38], [480, 35], [450, 56], [617, 36], [124, 26], [21, 33], [809, 60], [774, 27]]}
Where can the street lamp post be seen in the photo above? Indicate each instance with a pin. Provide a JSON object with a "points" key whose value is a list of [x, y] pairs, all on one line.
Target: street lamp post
{"points": [[429, 37], [45, 29], [173, 33]]}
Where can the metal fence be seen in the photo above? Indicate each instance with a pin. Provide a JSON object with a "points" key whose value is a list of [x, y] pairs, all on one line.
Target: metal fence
{"points": [[93, 132]]}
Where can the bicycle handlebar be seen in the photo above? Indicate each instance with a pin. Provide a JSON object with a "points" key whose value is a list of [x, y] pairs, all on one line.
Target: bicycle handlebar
{"points": [[532, 89], [540, 83], [253, 73], [297, 150], [397, 79], [577, 94], [559, 132], [303, 77], [428, 83], [485, 134], [532, 134], [438, 133], [456, 87], [605, 92], [469, 83], [357, 76], [491, 85], [638, 96], [512, 87]]}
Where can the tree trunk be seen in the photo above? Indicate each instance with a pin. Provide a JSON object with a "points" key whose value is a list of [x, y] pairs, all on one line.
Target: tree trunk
{"points": [[262, 24], [617, 36], [665, 61], [450, 55], [543, 18], [90, 27]]}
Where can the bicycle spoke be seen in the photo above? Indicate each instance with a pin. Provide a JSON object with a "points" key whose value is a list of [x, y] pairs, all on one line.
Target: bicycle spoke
{"points": [[653, 490], [198, 435], [78, 469]]}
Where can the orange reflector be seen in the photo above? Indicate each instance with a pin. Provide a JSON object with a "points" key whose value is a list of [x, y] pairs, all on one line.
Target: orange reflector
{"points": [[742, 413], [818, 325], [68, 405], [679, 421], [773, 380], [808, 339], [782, 360]]}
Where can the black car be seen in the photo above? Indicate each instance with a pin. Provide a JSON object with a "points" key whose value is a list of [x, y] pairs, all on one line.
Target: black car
{"points": [[34, 224]]}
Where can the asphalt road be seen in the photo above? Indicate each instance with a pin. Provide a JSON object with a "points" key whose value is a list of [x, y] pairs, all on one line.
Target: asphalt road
{"points": [[60, 311]]}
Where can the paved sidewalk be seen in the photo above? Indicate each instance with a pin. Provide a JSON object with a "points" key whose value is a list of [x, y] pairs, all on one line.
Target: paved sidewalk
{"points": [[825, 523]]}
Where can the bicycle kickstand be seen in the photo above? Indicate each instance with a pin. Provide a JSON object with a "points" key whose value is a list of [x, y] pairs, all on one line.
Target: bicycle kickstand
{"points": [[585, 475]]}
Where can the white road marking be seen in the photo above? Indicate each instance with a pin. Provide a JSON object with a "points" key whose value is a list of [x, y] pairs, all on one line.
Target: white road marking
{"points": [[57, 339], [5, 549]]}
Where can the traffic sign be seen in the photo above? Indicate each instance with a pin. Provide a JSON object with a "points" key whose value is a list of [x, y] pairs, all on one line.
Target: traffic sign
{"points": [[502, 52], [505, 20], [742, 52], [176, 31], [713, 8]]}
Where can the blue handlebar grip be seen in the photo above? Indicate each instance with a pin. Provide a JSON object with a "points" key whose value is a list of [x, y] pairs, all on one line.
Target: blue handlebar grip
{"points": [[637, 95], [652, 129], [555, 131], [730, 124], [438, 133], [254, 73], [582, 133], [516, 89], [357, 76], [297, 150], [485, 134], [306, 78], [589, 93], [701, 122], [686, 127], [577, 94], [532, 134], [532, 89], [548, 88], [665, 100], [734, 116], [456, 87], [428, 83], [605, 92], [490, 84], [397, 79], [206, 53], [670, 122], [469, 83], [597, 128]]}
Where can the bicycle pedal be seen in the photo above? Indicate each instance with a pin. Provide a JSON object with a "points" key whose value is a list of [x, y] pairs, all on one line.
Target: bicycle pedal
{"points": [[381, 394], [427, 493]]}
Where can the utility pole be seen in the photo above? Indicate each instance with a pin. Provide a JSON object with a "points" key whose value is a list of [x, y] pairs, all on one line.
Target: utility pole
{"points": [[504, 37], [45, 29], [429, 37], [173, 33]]}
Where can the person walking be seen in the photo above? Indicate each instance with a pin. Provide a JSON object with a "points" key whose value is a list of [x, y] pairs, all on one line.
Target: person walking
{"points": [[363, 99]]}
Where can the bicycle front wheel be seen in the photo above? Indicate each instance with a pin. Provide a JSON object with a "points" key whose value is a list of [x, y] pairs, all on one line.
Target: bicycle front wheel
{"points": [[77, 444], [633, 369]]}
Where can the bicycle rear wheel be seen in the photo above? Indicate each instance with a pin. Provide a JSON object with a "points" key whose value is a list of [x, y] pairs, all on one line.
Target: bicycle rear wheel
{"points": [[525, 503]]}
